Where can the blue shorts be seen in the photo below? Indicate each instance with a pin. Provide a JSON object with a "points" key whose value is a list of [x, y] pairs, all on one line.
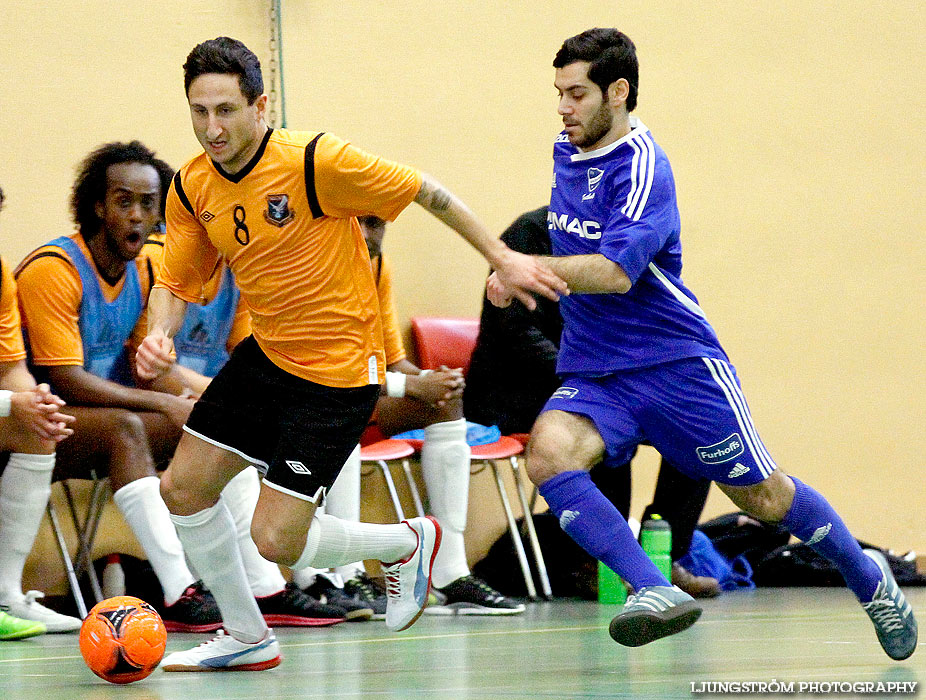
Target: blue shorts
{"points": [[692, 411]]}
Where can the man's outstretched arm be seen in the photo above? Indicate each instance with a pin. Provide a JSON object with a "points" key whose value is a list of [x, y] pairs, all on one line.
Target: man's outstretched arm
{"points": [[521, 274], [585, 274]]}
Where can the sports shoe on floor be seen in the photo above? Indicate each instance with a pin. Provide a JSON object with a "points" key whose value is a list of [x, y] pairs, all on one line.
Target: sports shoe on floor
{"points": [[367, 591], [325, 591], [225, 653], [15, 628], [695, 586], [194, 611], [652, 613], [408, 580], [891, 613], [27, 607], [293, 608], [469, 595]]}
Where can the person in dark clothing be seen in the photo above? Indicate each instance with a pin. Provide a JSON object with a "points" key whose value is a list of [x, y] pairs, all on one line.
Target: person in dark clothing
{"points": [[513, 368], [512, 373]]}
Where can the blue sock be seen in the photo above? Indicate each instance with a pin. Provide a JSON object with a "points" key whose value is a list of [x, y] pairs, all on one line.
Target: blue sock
{"points": [[596, 525], [813, 520]]}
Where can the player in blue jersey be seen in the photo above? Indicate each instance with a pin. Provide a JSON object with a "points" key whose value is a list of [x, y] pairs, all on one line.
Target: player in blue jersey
{"points": [[640, 361]]}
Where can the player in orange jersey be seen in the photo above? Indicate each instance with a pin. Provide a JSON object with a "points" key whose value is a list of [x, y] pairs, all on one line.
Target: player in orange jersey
{"points": [[281, 207], [30, 427]]}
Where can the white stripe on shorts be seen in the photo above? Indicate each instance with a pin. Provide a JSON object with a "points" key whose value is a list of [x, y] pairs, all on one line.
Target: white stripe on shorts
{"points": [[727, 372], [724, 378], [316, 499], [259, 463]]}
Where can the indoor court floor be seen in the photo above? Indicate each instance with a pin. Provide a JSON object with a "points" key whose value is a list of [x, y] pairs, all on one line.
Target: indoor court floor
{"points": [[559, 650]]}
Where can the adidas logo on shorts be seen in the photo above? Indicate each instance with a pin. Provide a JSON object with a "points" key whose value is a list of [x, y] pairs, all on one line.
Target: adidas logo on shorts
{"points": [[738, 470]]}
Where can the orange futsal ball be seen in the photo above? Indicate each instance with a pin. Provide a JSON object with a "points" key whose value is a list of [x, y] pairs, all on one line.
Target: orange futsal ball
{"points": [[122, 639]]}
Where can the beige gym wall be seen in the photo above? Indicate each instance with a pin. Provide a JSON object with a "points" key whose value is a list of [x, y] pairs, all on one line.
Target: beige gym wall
{"points": [[795, 130]]}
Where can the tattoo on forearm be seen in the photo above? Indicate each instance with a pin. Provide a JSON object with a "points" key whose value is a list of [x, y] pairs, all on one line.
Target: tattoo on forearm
{"points": [[440, 200], [434, 197]]}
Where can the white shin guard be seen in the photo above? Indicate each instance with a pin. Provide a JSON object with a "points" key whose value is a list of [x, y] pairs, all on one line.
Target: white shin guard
{"points": [[335, 542], [146, 514], [240, 495], [445, 461], [24, 491], [210, 541]]}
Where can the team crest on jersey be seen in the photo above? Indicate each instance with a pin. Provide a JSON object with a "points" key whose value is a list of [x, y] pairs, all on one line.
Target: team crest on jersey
{"points": [[278, 212], [594, 177]]}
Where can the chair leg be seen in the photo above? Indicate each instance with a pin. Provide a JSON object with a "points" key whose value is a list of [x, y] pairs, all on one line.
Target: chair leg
{"points": [[515, 535], [86, 528], [413, 488], [68, 564], [531, 530], [393, 494]]}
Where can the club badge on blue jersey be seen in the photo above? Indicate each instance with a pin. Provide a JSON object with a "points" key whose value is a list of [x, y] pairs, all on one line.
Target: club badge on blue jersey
{"points": [[594, 177]]}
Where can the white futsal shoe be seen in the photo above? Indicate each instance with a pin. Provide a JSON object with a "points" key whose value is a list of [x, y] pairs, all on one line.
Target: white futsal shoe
{"points": [[27, 607], [225, 653], [408, 580]]}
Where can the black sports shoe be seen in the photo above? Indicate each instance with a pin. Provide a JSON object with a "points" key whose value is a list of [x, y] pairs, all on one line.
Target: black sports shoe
{"points": [[469, 595], [367, 591], [194, 611], [293, 608], [325, 591]]}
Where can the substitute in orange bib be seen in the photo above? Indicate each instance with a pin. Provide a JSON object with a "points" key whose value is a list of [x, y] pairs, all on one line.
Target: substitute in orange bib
{"points": [[282, 207], [82, 298]]}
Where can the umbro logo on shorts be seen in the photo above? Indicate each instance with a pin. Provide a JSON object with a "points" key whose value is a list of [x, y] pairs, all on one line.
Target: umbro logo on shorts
{"points": [[298, 467], [738, 470]]}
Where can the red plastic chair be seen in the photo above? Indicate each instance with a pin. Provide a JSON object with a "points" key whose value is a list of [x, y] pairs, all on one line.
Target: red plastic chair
{"points": [[376, 448], [450, 342]]}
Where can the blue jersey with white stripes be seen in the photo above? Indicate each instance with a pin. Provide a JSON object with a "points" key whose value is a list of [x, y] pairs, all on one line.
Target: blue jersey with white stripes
{"points": [[619, 201]]}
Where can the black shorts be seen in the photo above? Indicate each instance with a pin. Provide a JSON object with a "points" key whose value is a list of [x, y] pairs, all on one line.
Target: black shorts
{"points": [[297, 432]]}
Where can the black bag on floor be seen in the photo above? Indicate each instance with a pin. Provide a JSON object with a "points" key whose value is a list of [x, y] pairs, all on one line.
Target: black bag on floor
{"points": [[798, 565]]}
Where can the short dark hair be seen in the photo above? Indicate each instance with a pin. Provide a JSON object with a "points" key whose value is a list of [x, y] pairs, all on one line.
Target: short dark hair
{"points": [[611, 54], [225, 55], [90, 185]]}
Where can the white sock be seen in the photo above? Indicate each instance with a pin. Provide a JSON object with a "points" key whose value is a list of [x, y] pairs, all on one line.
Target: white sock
{"points": [[24, 491], [210, 541], [240, 495], [144, 510], [445, 467], [343, 501], [333, 542]]}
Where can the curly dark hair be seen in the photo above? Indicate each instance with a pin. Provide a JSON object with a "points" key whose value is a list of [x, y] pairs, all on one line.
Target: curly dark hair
{"points": [[225, 55], [612, 56], [165, 174], [90, 186]]}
